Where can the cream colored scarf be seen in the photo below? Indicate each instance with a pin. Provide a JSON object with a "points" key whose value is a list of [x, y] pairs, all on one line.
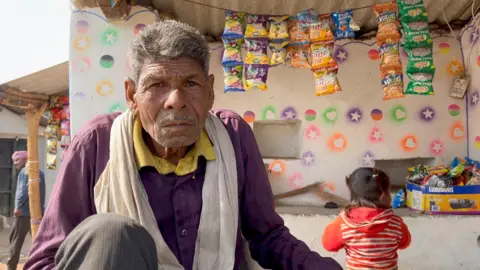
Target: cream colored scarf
{"points": [[120, 190]]}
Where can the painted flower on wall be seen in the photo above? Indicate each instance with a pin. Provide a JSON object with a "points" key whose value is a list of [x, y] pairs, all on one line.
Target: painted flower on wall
{"points": [[340, 54], [474, 99], [455, 68]]}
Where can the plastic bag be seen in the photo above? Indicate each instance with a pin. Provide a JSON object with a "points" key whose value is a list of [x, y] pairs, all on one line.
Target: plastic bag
{"points": [[412, 13], [321, 31], [424, 88], [322, 58], [232, 55], [279, 53], [51, 161], [390, 57], [278, 28], [256, 51], [420, 52], [233, 25], [52, 131], [416, 39], [297, 56], [233, 78], [387, 23], [326, 83], [392, 83], [421, 65], [65, 128], [256, 26], [255, 77], [52, 146], [343, 24], [298, 34]]}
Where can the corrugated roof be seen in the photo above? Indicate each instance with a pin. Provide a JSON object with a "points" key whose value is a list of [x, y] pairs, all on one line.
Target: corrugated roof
{"points": [[210, 20]]}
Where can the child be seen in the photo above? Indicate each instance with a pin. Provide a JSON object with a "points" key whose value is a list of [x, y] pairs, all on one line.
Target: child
{"points": [[367, 228]]}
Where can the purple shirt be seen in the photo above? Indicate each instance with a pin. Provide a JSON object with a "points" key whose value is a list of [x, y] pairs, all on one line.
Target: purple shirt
{"points": [[176, 202]]}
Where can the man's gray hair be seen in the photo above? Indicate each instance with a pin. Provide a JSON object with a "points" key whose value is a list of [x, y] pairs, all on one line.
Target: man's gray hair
{"points": [[166, 40]]}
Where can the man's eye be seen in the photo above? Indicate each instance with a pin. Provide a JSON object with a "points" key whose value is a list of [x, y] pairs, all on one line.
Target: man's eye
{"points": [[157, 85], [191, 84]]}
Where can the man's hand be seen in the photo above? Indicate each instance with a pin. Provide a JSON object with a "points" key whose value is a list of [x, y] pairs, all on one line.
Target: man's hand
{"points": [[16, 213]]}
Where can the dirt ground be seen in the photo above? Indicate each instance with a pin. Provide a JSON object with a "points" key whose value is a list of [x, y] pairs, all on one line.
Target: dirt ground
{"points": [[4, 243]]}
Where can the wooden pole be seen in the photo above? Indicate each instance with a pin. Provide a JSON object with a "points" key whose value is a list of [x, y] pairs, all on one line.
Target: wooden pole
{"points": [[33, 120]]}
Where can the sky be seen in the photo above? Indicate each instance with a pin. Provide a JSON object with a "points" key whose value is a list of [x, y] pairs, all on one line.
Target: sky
{"points": [[34, 36]]}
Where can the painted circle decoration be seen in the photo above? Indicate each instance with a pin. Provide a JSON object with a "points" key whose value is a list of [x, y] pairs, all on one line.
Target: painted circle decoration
{"points": [[249, 117], [398, 113], [436, 148], [268, 113], [277, 167], [296, 180], [409, 143], [373, 54], [444, 48], [117, 107], [330, 115], [106, 61], [368, 159], [454, 110], [289, 113], [308, 159], [81, 43], [457, 131], [312, 132], [354, 115], [138, 28], [376, 135], [110, 36], [81, 26], [455, 68], [337, 142], [477, 142], [427, 114], [104, 88], [310, 115], [81, 64], [478, 60], [474, 98], [376, 115]]}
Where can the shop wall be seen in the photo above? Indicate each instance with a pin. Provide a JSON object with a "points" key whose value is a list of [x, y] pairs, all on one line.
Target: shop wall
{"points": [[471, 52]]}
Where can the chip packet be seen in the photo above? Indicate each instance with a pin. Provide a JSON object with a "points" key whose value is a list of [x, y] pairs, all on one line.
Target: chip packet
{"points": [[255, 77], [298, 34], [414, 26], [420, 65], [390, 57], [321, 31], [279, 53], [420, 52], [392, 83], [322, 57], [387, 23], [326, 83], [52, 161], [65, 128], [343, 23], [233, 25], [412, 13], [52, 146], [232, 55], [307, 17], [424, 88], [256, 51], [233, 79], [256, 26], [416, 39], [297, 56], [278, 28], [52, 131]]}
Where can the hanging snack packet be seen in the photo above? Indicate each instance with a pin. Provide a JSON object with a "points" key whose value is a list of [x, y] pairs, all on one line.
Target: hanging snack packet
{"points": [[297, 33], [255, 77], [326, 83], [416, 39], [343, 22], [412, 13], [233, 79], [256, 26], [420, 84], [322, 57], [307, 17], [233, 25], [278, 28], [52, 131], [297, 56], [390, 55], [56, 114], [232, 55], [65, 128], [52, 146], [405, 3], [321, 31], [414, 26], [392, 85], [421, 65], [387, 23], [279, 53], [256, 51], [420, 52], [51, 161]]}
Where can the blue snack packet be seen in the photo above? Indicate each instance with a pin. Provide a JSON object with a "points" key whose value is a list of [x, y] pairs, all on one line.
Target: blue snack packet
{"points": [[342, 21]]}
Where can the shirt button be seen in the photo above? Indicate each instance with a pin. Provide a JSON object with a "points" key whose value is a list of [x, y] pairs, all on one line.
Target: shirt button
{"points": [[184, 232]]}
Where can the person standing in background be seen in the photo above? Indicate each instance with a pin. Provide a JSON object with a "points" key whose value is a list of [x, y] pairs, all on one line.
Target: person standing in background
{"points": [[21, 223]]}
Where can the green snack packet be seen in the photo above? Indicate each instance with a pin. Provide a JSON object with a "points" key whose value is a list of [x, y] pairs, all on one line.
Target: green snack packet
{"points": [[416, 39], [419, 52], [424, 88], [420, 65], [412, 13]]}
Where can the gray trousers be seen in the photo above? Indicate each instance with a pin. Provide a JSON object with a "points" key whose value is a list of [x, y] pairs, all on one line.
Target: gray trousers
{"points": [[20, 229], [107, 242]]}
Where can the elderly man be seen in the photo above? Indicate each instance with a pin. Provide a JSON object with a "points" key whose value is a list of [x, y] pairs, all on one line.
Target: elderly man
{"points": [[21, 222], [167, 184]]}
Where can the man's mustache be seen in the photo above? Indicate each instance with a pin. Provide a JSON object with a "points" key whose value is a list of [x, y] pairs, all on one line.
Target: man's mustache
{"points": [[161, 119]]}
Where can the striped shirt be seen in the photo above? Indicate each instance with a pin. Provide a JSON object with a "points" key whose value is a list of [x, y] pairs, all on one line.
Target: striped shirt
{"points": [[371, 238]]}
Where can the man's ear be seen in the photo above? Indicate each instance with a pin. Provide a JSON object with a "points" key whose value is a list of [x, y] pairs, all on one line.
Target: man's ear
{"points": [[130, 89], [211, 91]]}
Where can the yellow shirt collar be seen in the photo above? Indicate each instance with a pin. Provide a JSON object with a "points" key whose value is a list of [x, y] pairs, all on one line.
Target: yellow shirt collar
{"points": [[188, 164]]}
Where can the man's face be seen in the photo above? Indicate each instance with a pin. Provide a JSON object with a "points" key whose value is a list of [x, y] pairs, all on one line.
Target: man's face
{"points": [[19, 164], [172, 98]]}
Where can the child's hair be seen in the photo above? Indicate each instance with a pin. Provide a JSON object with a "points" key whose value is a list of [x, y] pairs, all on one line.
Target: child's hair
{"points": [[366, 188]]}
